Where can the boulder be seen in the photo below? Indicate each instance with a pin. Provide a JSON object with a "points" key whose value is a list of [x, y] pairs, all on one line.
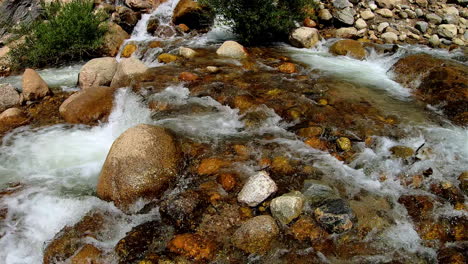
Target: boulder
{"points": [[335, 216], [232, 49], [88, 106], [346, 32], [125, 18], [128, 70], [349, 47], [447, 31], [304, 37], [287, 207], [187, 52], [436, 81], [34, 87], [8, 97], [390, 37], [345, 15], [141, 5], [257, 188], [97, 72], [12, 118], [113, 39], [256, 235], [13, 12], [141, 163], [192, 14]]}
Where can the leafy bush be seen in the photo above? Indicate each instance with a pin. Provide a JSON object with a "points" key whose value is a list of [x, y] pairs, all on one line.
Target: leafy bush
{"points": [[65, 32], [257, 21]]}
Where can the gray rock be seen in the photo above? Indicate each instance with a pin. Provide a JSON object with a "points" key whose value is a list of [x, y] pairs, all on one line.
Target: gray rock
{"points": [[14, 12], [346, 15], [447, 42], [257, 188], [419, 12], [447, 30], [287, 207], [450, 19], [465, 36], [316, 193], [373, 6], [386, 3], [335, 216], [403, 14], [411, 14], [256, 234], [421, 26], [433, 18], [340, 4], [451, 10], [9, 97]]}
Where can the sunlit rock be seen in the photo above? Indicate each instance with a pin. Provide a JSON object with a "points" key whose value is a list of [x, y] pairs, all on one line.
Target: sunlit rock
{"points": [[232, 49], [257, 188], [97, 72], [34, 87], [287, 207], [304, 37]]}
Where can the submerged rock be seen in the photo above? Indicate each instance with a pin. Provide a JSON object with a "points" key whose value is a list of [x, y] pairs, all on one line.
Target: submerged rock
{"points": [[344, 144], [88, 254], [232, 49], [193, 246], [257, 188], [256, 235], [316, 193], [9, 97], [335, 216], [167, 58], [304, 37], [34, 87], [287, 207], [402, 152], [141, 163], [349, 47], [97, 72], [128, 50], [187, 52], [88, 106]]}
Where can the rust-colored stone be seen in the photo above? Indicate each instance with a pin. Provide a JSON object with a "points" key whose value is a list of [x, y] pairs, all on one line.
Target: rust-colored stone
{"points": [[192, 246]]}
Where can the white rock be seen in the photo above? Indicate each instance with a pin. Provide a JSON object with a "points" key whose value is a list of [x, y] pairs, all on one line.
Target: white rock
{"points": [[304, 37], [257, 188], [373, 6], [360, 24], [458, 41], [447, 30], [382, 26], [232, 49], [187, 52], [389, 37], [212, 69]]}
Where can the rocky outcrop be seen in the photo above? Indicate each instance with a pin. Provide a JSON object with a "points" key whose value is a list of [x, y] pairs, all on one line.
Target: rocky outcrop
{"points": [[232, 49], [34, 87], [304, 37], [256, 234], [97, 72], [113, 39], [349, 47], [125, 18], [192, 14], [436, 81], [9, 97], [88, 106], [141, 163], [16, 11], [128, 70]]}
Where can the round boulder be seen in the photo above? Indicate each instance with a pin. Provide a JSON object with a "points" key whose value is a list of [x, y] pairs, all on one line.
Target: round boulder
{"points": [[256, 234], [127, 70], [88, 106], [232, 49], [97, 72], [8, 97], [304, 37], [34, 87], [349, 47], [141, 163]]}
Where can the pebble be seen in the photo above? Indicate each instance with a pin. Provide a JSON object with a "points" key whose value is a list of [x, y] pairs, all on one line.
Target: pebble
{"points": [[257, 188]]}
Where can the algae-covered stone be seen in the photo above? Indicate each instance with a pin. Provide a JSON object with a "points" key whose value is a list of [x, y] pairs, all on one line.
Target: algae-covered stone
{"points": [[402, 152], [344, 143], [256, 235], [287, 207], [315, 192]]}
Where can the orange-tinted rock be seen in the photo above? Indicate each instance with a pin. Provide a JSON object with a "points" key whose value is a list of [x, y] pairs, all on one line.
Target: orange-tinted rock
{"points": [[287, 67], [154, 44], [430, 230], [418, 206], [243, 102], [128, 50], [310, 132], [256, 235], [183, 28], [306, 228], [448, 191], [316, 143], [167, 58], [12, 118], [34, 87], [242, 151], [349, 47], [227, 180], [211, 166], [281, 164], [88, 254], [463, 178], [193, 246], [188, 77], [113, 39], [309, 22], [193, 14]]}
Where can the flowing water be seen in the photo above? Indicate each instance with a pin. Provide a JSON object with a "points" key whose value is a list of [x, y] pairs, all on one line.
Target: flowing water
{"points": [[57, 167]]}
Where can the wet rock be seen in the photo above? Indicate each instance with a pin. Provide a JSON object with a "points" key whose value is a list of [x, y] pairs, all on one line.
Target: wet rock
{"points": [[402, 152], [34, 87], [325, 15], [192, 14], [211, 166], [183, 28], [367, 14], [188, 77], [307, 229], [347, 32], [141, 163], [287, 207], [227, 180], [153, 25], [344, 144], [140, 5], [345, 15], [418, 206], [316, 193], [463, 178], [256, 235], [187, 53], [433, 18], [421, 26], [348, 47], [9, 97], [71, 238], [128, 70], [88, 106], [12, 118], [232, 49], [125, 18], [128, 50], [221, 223], [88, 254], [282, 165], [385, 13], [447, 31], [449, 192], [113, 39], [141, 238], [193, 246], [304, 37], [454, 254], [287, 67], [257, 188], [317, 143], [97, 72], [335, 216], [167, 58], [308, 132]]}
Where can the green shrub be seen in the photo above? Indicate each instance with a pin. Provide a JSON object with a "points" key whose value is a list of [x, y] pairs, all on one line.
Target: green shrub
{"points": [[65, 32], [259, 21]]}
